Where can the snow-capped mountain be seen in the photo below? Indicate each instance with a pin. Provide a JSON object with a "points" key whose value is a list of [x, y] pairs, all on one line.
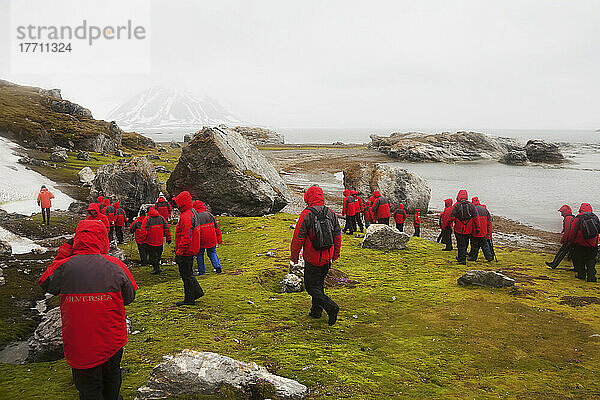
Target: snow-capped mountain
{"points": [[159, 110]]}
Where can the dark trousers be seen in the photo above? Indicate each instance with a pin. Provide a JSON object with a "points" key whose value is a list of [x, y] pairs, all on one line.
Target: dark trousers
{"points": [[561, 254], [154, 255], [143, 253], [111, 234], [462, 242], [584, 261], [46, 216], [350, 224], [191, 287], [400, 227], [119, 233], [417, 231], [447, 237], [483, 244], [385, 221], [102, 382], [359, 221], [314, 281]]}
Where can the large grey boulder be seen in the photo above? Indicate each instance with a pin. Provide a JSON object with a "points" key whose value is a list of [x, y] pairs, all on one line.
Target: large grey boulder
{"points": [[59, 156], [131, 182], [384, 237], [485, 278], [204, 373], [260, 136], [514, 157], [86, 176], [290, 283], [220, 167], [67, 107], [395, 183], [78, 207], [543, 152], [5, 248], [46, 343]]}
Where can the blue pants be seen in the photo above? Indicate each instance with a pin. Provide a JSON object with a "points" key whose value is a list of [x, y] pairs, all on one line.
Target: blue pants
{"points": [[212, 255]]}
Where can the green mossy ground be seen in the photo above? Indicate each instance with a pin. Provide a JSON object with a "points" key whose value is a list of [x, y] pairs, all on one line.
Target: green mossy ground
{"points": [[405, 330]]}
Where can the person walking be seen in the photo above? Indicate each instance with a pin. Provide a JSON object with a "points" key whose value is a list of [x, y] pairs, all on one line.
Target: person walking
{"points": [[140, 235], [93, 213], [163, 207], [318, 234], [94, 289], [367, 214], [380, 208], [446, 225], [120, 220], [359, 207], [110, 212], [187, 245], [463, 217], [155, 227], [417, 223], [583, 236], [565, 247], [349, 210], [210, 236], [482, 233], [44, 200], [400, 217]]}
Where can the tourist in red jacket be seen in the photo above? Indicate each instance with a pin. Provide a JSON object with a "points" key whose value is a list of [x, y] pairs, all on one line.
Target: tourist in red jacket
{"points": [[210, 236], [100, 201], [155, 228], [367, 214], [109, 211], [94, 289], [565, 247], [140, 236], [446, 225], [120, 220], [187, 245], [400, 217], [380, 209], [417, 222], [349, 210], [44, 200], [583, 236], [163, 207], [463, 216], [482, 233], [93, 213], [359, 207], [316, 262]]}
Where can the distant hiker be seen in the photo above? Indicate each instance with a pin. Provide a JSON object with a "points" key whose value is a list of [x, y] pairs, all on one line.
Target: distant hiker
{"points": [[400, 217], [163, 207], [155, 227], [565, 247], [446, 225], [349, 210], [100, 202], [94, 289], [318, 234], [583, 235], [120, 220], [187, 245], [210, 236], [367, 214], [93, 213], [380, 208], [359, 207], [417, 223], [44, 200], [482, 232], [464, 218], [110, 211], [140, 235]]}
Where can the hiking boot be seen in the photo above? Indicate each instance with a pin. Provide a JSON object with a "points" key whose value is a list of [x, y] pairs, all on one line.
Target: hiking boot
{"points": [[217, 270], [185, 303], [463, 262], [200, 294], [447, 249], [580, 277], [315, 315], [333, 316], [471, 259], [551, 265], [592, 279]]}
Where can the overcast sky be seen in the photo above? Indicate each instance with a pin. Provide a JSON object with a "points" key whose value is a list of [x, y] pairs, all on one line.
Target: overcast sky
{"points": [[399, 64]]}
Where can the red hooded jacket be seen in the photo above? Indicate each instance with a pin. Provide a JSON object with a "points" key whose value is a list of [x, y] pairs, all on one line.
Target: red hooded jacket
{"points": [[163, 207], [303, 232], [575, 235], [483, 220], [210, 233], [44, 198], [348, 206], [358, 203], [466, 226], [120, 216], [417, 218], [100, 201], [400, 214], [381, 206], [187, 233], [93, 289], [99, 216], [367, 212], [155, 228], [109, 211], [445, 218], [567, 215], [136, 228]]}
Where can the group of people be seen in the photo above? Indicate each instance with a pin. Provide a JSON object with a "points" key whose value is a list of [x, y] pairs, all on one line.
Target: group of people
{"points": [[111, 215]]}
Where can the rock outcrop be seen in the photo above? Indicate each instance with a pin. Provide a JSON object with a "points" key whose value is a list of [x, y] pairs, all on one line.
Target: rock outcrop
{"points": [[260, 136], [66, 107], [384, 237], [397, 184], [86, 176], [514, 157], [83, 155], [131, 182], [78, 207], [204, 373], [5, 248], [46, 343], [542, 152], [485, 278], [220, 167], [59, 156]]}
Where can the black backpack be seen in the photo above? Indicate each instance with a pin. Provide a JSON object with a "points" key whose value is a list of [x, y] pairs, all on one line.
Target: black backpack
{"points": [[463, 211], [589, 225], [322, 229]]}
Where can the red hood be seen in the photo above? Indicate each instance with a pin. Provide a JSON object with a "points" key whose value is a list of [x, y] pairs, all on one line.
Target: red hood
{"points": [[100, 199], [43, 190], [401, 206], [106, 202], [368, 203], [353, 193], [183, 200], [376, 194], [462, 195], [94, 207], [346, 192], [314, 196], [199, 206], [475, 201], [161, 199], [448, 202], [417, 211], [117, 204], [90, 238], [585, 207], [565, 210], [152, 212]]}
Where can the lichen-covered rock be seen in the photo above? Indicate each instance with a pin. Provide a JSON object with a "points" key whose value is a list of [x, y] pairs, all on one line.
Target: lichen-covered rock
{"points": [[59, 156], [204, 373], [543, 152], [384, 237], [131, 182], [485, 278], [86, 176], [222, 168], [46, 343], [514, 157], [397, 184], [260, 136], [290, 283], [67, 107], [83, 155], [5, 248]]}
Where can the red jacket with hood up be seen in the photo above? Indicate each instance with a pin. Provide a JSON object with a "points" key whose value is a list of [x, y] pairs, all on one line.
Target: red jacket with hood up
{"points": [[381, 206], [575, 235], [400, 214], [467, 226], [155, 227], [358, 203], [163, 207], [210, 233], [187, 233], [120, 216], [483, 220], [417, 218], [303, 232], [136, 228], [348, 206], [567, 215], [93, 289], [445, 218], [99, 216]]}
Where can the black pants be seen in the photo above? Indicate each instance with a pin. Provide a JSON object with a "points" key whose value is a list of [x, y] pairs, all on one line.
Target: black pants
{"points": [[119, 232], [385, 221], [111, 234], [584, 261], [462, 242], [447, 237], [400, 227], [359, 221], [154, 255], [561, 254], [102, 382], [483, 244], [46, 216], [350, 224], [191, 287], [314, 281], [417, 231], [143, 253]]}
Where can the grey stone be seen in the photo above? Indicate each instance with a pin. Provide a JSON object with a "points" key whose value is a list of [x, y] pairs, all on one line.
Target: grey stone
{"points": [[260, 136], [162, 169], [5, 248], [187, 138], [78, 207], [290, 283], [514, 157], [204, 373], [485, 278], [59, 156], [542, 152], [384, 237], [46, 344], [67, 107], [174, 144], [162, 150], [86, 176], [51, 93], [119, 153], [222, 168], [83, 155]]}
